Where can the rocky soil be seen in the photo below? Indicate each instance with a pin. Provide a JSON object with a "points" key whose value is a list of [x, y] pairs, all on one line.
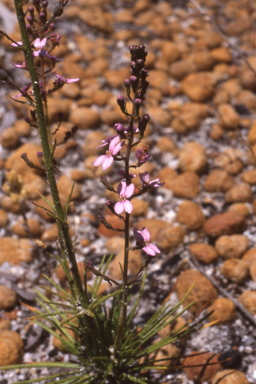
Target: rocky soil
{"points": [[202, 138]]}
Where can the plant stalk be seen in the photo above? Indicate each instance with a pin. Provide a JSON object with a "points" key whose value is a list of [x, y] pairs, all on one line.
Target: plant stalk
{"points": [[63, 230]]}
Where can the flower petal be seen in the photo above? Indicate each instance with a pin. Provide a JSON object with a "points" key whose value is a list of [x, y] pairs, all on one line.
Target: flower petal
{"points": [[154, 247], [99, 161], [121, 189], [145, 233], [114, 142], [129, 191], [128, 207], [117, 148], [138, 236], [149, 250], [119, 207], [107, 162]]}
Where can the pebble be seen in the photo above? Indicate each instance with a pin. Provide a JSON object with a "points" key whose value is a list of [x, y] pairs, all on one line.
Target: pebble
{"points": [[170, 52], [201, 369], [239, 193], [186, 185], [235, 270], [227, 223], [188, 117], [221, 55], [154, 227], [230, 161], [218, 181], [169, 351], [203, 60], [204, 253], [167, 175], [190, 214], [234, 246], [9, 138], [181, 69], [240, 208], [249, 177], [15, 251], [8, 297], [230, 376], [32, 227], [203, 291], [134, 265], [11, 348], [65, 184], [3, 218], [166, 144], [61, 275], [248, 299], [85, 118], [200, 86], [56, 342], [228, 117], [252, 270], [250, 255], [140, 207], [224, 311], [115, 222], [160, 116], [15, 163], [246, 98], [22, 128], [251, 138], [192, 158], [5, 324], [170, 237]]}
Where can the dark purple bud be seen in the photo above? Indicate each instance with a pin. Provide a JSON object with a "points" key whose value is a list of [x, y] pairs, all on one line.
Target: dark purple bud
{"points": [[119, 128], [31, 10], [134, 83], [27, 119], [137, 103], [146, 118], [45, 3], [30, 19], [52, 26], [140, 63], [144, 74], [28, 27], [103, 221], [3, 75], [127, 83], [40, 158], [121, 102], [42, 16], [27, 161]]}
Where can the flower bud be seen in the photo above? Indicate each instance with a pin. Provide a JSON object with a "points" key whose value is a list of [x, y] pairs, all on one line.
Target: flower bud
{"points": [[31, 10], [40, 158], [137, 103], [121, 102], [30, 19], [27, 161], [42, 16], [119, 128], [134, 83], [52, 26], [45, 3], [127, 83]]}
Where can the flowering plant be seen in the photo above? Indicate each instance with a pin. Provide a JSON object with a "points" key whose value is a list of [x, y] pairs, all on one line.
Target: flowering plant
{"points": [[107, 345]]}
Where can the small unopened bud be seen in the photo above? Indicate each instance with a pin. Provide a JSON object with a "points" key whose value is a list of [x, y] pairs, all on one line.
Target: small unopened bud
{"points": [[45, 3], [30, 19], [42, 16], [40, 158], [28, 27], [122, 103], [27, 161], [119, 128], [3, 75], [31, 10], [52, 26], [103, 221], [134, 83], [127, 83], [137, 103]]}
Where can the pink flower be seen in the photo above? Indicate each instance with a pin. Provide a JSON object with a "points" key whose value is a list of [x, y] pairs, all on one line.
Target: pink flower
{"points": [[107, 159], [16, 45], [64, 80], [125, 192], [145, 181], [40, 51], [142, 155], [142, 239]]}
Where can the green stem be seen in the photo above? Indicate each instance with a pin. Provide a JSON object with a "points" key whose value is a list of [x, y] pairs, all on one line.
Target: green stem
{"points": [[63, 230]]}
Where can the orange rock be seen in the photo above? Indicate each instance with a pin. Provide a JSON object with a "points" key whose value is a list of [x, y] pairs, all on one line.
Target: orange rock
{"points": [[227, 223], [228, 117], [192, 158], [8, 297], [85, 118], [11, 348], [186, 185], [235, 270], [234, 246], [9, 138], [200, 86], [15, 251], [202, 369], [230, 376], [224, 310], [218, 181], [203, 253], [203, 291], [170, 237], [248, 299], [190, 214]]}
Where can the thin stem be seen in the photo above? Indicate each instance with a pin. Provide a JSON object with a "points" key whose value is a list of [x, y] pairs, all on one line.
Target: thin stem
{"points": [[64, 235], [46, 105]]}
